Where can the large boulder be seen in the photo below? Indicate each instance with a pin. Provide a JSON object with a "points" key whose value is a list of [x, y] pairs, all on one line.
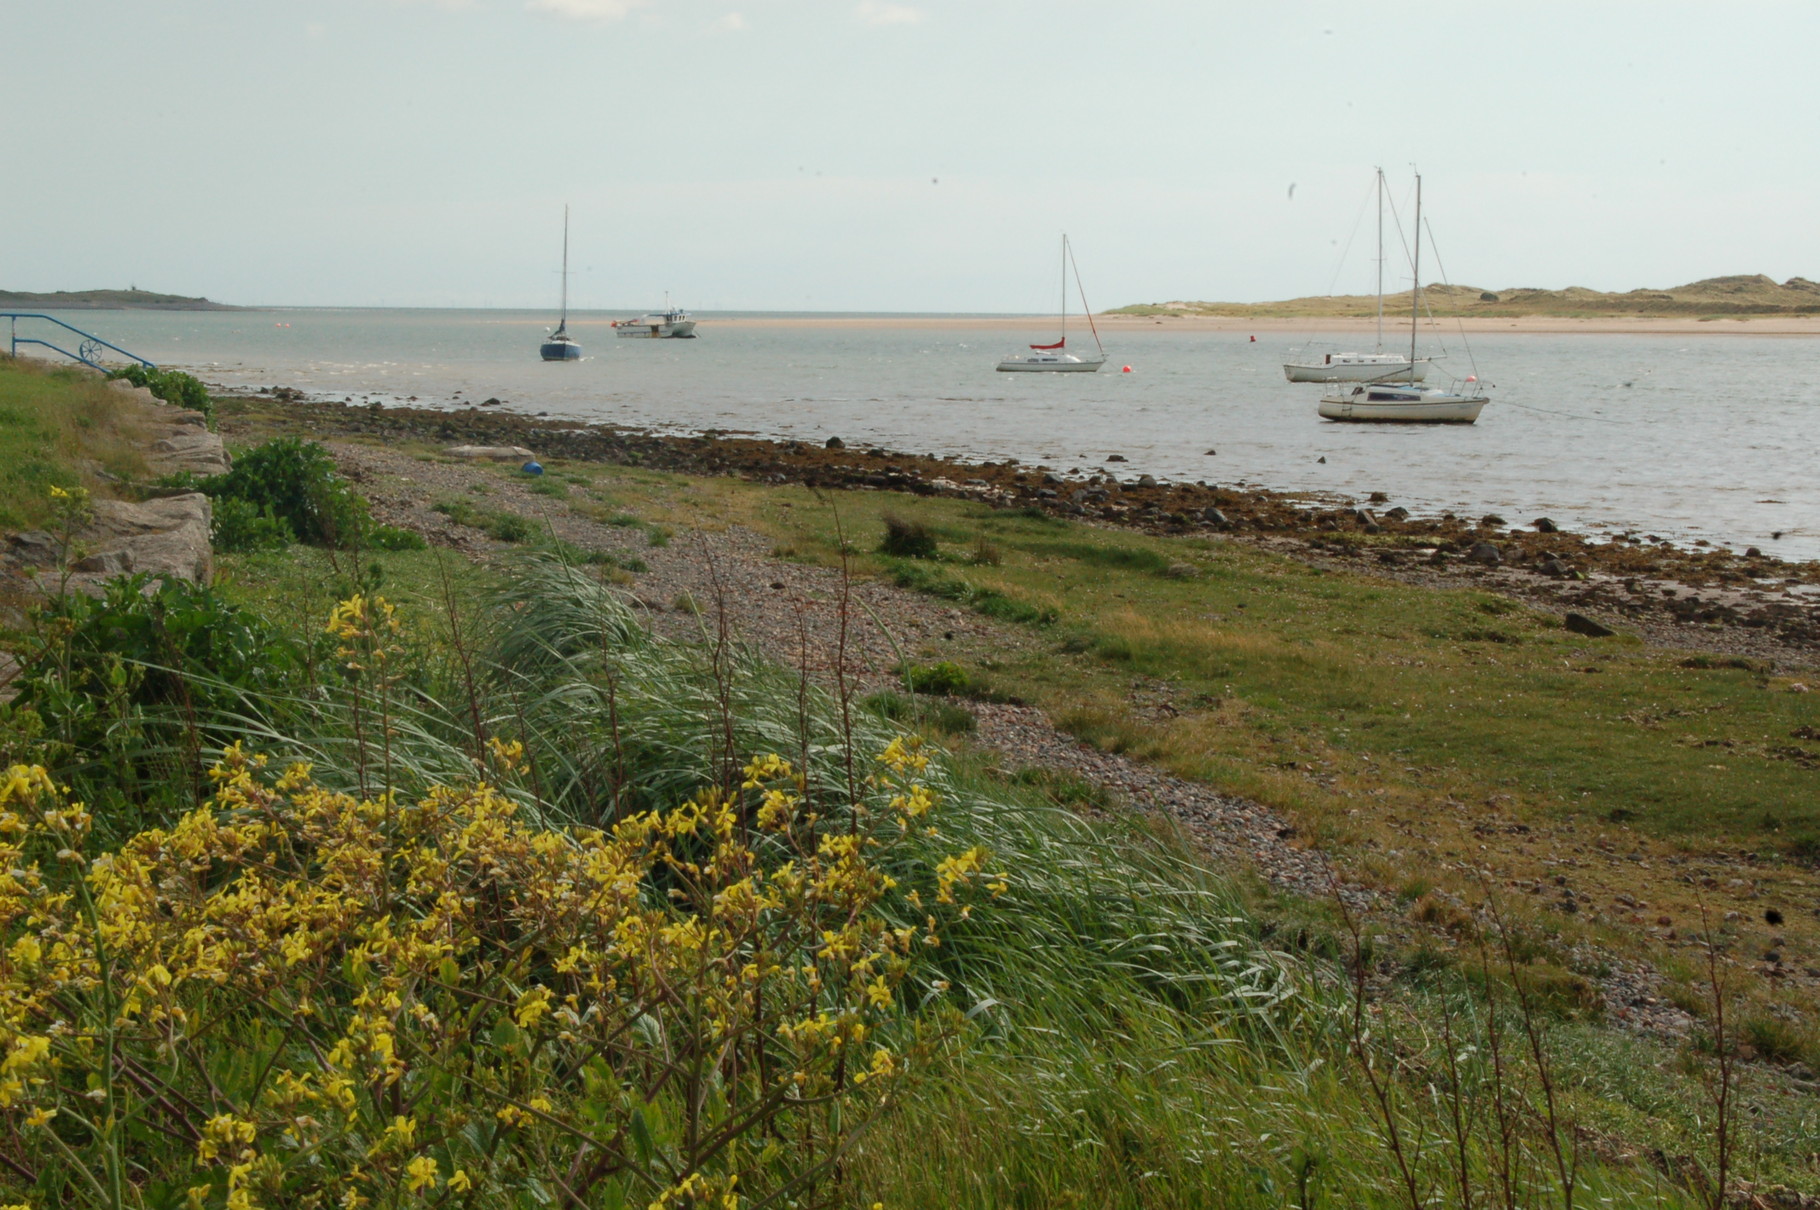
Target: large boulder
{"points": [[163, 537]]}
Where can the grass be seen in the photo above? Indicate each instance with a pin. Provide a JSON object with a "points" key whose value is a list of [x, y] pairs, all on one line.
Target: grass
{"points": [[1456, 732], [60, 427]]}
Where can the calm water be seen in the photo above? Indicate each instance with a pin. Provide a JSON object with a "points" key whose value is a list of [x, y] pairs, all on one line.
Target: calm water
{"points": [[1714, 437]]}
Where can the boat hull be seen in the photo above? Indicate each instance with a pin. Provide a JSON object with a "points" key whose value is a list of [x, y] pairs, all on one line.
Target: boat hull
{"points": [[1395, 370], [1440, 408], [560, 350], [632, 329], [1049, 365]]}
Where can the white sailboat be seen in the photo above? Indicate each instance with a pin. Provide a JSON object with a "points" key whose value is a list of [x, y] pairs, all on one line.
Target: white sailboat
{"points": [[561, 346], [1407, 403], [1055, 359], [1377, 366]]}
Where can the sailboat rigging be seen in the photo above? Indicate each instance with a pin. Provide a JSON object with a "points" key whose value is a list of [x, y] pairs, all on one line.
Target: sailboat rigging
{"points": [[561, 346], [1377, 366], [1053, 358], [1407, 403]]}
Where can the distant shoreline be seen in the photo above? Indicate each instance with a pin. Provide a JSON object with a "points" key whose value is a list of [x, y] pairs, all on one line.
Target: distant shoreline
{"points": [[110, 300]]}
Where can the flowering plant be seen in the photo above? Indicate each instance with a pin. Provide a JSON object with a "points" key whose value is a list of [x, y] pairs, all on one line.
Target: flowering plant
{"points": [[300, 997]]}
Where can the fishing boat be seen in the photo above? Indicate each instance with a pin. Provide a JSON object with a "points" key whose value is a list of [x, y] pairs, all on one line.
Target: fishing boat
{"points": [[1055, 359], [1376, 366], [561, 346], [671, 323], [1395, 403]]}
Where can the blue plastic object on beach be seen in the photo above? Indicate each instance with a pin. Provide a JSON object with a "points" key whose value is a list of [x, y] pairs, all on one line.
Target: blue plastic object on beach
{"points": [[533, 468]]}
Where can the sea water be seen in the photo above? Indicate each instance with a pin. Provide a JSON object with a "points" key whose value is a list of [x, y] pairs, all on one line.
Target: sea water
{"points": [[1690, 437]]}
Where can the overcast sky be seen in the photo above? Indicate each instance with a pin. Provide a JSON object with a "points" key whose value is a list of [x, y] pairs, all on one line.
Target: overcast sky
{"points": [[878, 155]]}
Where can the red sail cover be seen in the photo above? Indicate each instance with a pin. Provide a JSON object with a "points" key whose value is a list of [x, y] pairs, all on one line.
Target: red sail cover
{"points": [[1058, 344]]}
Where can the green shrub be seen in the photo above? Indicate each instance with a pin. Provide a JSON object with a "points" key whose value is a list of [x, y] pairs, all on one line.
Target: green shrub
{"points": [[295, 481], [172, 386], [945, 679], [391, 537], [240, 526], [905, 539], [126, 690]]}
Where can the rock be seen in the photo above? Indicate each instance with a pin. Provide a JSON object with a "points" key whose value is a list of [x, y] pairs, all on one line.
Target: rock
{"points": [[490, 453], [1491, 520], [1210, 453], [1486, 553], [1379, 498], [1579, 623], [1116, 458], [835, 443], [1364, 517], [1322, 458], [1753, 552], [1181, 571], [1215, 516], [1146, 481], [1545, 526], [143, 394], [1053, 479], [1555, 568], [1399, 513], [165, 537], [34, 547], [188, 449]]}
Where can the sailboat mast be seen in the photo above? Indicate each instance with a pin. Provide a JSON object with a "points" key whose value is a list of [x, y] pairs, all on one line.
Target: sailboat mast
{"points": [[1064, 287], [565, 266], [1380, 260], [1415, 285]]}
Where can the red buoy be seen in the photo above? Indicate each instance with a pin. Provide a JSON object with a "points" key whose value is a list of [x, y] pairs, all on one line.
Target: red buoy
{"points": [[1126, 370], [1254, 340]]}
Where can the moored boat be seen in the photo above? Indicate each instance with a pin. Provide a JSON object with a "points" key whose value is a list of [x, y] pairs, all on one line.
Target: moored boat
{"points": [[1053, 359], [1407, 403], [1377, 366], [560, 346], [671, 323], [1393, 403], [1358, 367]]}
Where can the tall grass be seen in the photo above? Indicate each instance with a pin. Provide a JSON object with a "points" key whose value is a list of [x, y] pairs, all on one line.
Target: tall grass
{"points": [[1116, 1030], [59, 427]]}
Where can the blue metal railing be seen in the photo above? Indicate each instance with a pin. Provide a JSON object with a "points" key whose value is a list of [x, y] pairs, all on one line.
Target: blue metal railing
{"points": [[87, 351]]}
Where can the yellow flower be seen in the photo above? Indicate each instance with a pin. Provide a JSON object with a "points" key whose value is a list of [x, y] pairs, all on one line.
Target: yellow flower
{"points": [[459, 1182], [40, 1117], [419, 1174], [532, 1006]]}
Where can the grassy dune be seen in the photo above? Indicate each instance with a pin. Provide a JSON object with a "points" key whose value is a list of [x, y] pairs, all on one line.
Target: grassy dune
{"points": [[1714, 297]]}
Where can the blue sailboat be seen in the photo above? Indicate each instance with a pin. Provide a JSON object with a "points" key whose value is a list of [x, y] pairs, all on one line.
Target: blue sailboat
{"points": [[561, 346]]}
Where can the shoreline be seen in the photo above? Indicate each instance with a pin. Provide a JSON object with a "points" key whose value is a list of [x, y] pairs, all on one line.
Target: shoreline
{"points": [[1532, 325], [1767, 605]]}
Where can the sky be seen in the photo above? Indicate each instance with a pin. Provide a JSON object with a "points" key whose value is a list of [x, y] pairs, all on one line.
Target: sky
{"points": [[878, 155]]}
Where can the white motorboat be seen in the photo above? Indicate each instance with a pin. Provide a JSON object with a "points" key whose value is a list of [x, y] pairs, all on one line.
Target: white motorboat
{"points": [[1407, 403], [1053, 359], [1394, 403], [560, 346], [1377, 366], [671, 323]]}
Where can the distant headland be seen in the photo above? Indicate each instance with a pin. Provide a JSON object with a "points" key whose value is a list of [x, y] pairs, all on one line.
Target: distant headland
{"points": [[1714, 297], [130, 299]]}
